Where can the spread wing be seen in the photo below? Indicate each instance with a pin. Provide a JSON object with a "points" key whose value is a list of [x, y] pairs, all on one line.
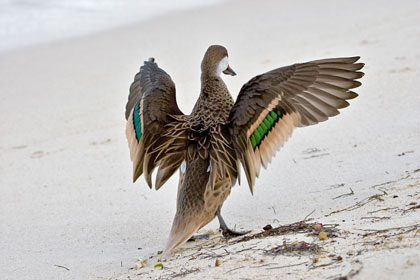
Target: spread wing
{"points": [[154, 130], [271, 105]]}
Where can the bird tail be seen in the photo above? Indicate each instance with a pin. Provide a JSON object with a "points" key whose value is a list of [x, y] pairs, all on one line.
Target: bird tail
{"points": [[182, 230]]}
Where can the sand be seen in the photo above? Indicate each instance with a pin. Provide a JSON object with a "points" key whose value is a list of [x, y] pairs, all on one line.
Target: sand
{"points": [[68, 209]]}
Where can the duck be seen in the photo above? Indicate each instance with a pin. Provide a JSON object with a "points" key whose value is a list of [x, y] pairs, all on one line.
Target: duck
{"points": [[222, 135]]}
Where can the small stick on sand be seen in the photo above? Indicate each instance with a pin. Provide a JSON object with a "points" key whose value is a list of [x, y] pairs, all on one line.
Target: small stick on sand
{"points": [[375, 231], [60, 266], [236, 268], [284, 266], [383, 209], [307, 216], [346, 194], [359, 204]]}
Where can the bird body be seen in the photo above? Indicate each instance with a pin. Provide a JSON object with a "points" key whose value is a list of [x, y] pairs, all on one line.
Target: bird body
{"points": [[220, 135]]}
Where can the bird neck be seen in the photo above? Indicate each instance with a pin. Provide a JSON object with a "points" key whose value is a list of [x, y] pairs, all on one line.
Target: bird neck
{"points": [[211, 85]]}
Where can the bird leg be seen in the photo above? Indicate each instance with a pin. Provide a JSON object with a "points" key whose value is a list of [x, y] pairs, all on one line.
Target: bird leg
{"points": [[225, 229]]}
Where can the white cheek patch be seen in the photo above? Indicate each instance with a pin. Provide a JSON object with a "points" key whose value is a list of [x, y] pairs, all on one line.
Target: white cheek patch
{"points": [[223, 64]]}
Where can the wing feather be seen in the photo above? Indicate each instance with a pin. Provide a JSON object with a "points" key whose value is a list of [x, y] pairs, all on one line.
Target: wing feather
{"points": [[271, 105], [155, 128]]}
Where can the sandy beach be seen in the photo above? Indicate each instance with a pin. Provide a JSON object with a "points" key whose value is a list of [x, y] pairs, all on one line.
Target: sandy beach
{"points": [[69, 210]]}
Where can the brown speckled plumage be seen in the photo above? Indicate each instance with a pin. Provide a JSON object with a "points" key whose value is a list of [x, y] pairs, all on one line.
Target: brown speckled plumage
{"points": [[219, 135]]}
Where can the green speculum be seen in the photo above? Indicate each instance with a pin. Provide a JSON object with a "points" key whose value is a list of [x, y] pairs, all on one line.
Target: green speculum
{"points": [[137, 121], [265, 126]]}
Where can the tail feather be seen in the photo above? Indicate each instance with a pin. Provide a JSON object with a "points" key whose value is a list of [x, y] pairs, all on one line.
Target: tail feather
{"points": [[180, 233]]}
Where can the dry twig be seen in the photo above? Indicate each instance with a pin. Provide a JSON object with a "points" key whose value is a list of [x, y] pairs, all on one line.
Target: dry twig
{"points": [[411, 208], [390, 182], [307, 216], [290, 265], [60, 266], [376, 231], [236, 268], [346, 194], [383, 209], [298, 227], [184, 271], [297, 247], [358, 204]]}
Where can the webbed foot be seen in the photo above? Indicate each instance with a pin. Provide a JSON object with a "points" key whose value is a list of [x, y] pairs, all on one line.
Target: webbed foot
{"points": [[227, 232]]}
